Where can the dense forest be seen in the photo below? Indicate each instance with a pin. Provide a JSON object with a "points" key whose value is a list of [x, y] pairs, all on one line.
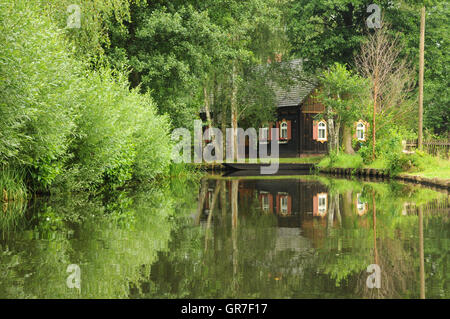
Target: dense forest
{"points": [[90, 93]]}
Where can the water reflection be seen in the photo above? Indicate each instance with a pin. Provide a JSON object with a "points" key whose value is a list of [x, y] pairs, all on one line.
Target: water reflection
{"points": [[304, 237], [282, 237]]}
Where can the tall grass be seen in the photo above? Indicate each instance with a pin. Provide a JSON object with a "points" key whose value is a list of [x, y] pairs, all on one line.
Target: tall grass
{"points": [[12, 185]]}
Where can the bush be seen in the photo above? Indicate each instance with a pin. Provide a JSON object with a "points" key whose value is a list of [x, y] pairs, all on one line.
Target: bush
{"points": [[62, 122]]}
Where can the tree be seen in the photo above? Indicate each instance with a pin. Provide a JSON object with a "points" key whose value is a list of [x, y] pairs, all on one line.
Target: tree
{"points": [[391, 77], [344, 95], [333, 31]]}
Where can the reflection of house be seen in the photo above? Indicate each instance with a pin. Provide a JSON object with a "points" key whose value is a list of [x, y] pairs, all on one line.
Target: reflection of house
{"points": [[361, 207], [320, 204], [266, 201], [291, 200], [284, 204], [295, 203]]}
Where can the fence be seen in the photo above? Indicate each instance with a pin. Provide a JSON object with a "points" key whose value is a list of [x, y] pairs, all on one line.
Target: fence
{"points": [[434, 207], [433, 147]]}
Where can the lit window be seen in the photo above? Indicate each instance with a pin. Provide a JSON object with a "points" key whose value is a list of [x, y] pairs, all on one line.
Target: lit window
{"points": [[284, 130], [360, 131], [322, 131]]}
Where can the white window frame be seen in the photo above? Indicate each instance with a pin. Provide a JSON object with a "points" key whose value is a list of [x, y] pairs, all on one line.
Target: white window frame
{"points": [[360, 127], [265, 202], [322, 200], [284, 204], [322, 126], [284, 130]]}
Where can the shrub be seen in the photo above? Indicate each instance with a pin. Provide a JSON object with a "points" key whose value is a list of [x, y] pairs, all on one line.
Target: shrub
{"points": [[63, 122]]}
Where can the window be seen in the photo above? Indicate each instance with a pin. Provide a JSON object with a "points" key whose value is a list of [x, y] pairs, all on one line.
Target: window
{"points": [[322, 204], [284, 205], [322, 131], [360, 131], [265, 202], [284, 130]]}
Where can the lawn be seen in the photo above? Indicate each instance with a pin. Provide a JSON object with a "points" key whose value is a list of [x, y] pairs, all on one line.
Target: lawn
{"points": [[429, 166]]}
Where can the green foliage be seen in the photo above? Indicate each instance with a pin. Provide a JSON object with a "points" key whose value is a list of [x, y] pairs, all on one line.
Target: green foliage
{"points": [[344, 93], [341, 160], [62, 122], [332, 31], [12, 186]]}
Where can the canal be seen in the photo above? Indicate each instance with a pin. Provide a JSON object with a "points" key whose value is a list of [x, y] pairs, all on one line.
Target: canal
{"points": [[231, 237]]}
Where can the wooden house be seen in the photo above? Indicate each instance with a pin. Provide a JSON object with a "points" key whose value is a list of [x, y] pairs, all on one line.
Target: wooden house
{"points": [[299, 131]]}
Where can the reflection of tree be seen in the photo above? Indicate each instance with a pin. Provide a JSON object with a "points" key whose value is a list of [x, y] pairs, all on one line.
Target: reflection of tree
{"points": [[114, 240], [234, 231], [386, 242]]}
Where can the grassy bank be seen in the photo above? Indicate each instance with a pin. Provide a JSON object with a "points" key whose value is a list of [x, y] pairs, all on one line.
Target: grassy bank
{"points": [[417, 164]]}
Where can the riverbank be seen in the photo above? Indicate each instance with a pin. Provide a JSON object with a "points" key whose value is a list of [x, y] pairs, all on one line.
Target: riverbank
{"points": [[421, 169], [437, 174], [380, 173]]}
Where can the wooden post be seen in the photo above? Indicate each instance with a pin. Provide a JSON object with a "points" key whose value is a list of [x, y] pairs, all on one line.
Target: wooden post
{"points": [[421, 71], [422, 256], [375, 96]]}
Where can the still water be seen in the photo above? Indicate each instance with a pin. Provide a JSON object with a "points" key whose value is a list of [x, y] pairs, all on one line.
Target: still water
{"points": [[225, 237]]}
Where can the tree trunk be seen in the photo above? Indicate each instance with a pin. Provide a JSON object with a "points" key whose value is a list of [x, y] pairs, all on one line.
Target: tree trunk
{"points": [[208, 116], [331, 132], [347, 137], [375, 96], [234, 111], [421, 71]]}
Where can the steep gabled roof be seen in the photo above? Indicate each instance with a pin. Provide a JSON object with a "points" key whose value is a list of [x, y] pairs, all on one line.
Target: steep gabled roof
{"points": [[295, 94]]}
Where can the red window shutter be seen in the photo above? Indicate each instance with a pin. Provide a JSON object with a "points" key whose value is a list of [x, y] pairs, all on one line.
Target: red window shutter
{"points": [[289, 134], [355, 136], [270, 203], [315, 205], [315, 130], [278, 129], [260, 196], [278, 204], [289, 204]]}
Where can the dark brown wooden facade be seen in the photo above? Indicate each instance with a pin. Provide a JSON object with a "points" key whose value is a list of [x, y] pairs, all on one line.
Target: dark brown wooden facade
{"points": [[300, 118]]}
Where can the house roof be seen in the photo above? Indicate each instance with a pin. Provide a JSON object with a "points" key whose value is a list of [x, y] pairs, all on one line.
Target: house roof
{"points": [[292, 95], [295, 94]]}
